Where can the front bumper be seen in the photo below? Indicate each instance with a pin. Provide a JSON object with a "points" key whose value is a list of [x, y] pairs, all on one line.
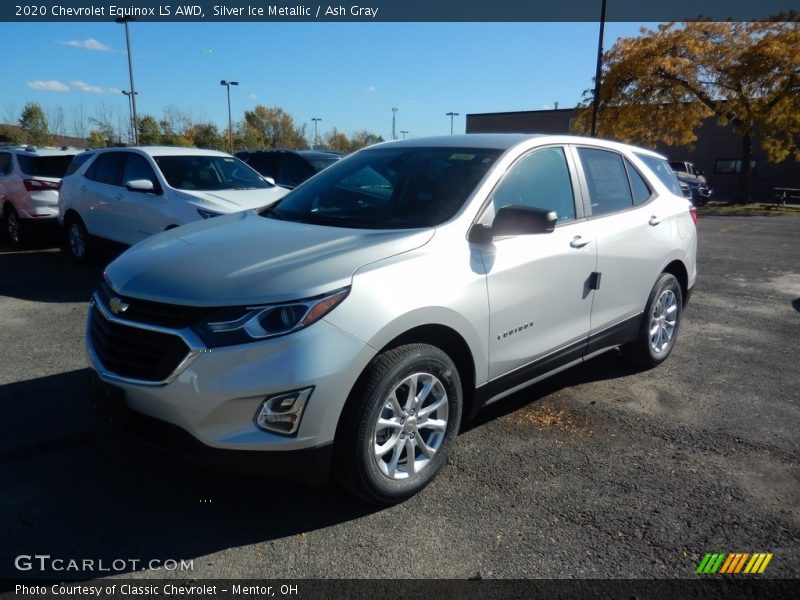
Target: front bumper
{"points": [[216, 395]]}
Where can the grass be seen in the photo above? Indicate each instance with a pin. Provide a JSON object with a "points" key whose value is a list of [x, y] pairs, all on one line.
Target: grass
{"points": [[760, 209]]}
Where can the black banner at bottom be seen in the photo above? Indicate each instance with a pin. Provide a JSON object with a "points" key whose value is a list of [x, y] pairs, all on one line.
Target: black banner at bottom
{"points": [[405, 589]]}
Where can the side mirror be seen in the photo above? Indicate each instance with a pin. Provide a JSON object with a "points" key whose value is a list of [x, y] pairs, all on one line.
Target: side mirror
{"points": [[270, 181], [516, 220], [140, 185]]}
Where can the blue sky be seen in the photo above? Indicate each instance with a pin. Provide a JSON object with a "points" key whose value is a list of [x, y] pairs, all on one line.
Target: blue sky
{"points": [[348, 74]]}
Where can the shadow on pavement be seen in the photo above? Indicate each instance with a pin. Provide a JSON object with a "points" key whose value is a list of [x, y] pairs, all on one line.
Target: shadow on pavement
{"points": [[72, 489]]}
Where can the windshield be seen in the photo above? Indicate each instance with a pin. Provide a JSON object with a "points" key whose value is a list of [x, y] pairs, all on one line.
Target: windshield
{"points": [[208, 173], [388, 188], [45, 166]]}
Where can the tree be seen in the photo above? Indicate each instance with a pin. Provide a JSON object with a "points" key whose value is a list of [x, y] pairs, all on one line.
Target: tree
{"points": [[103, 126], [34, 122], [361, 139], [275, 128], [335, 140], [206, 135], [661, 86], [149, 133], [11, 135], [97, 139]]}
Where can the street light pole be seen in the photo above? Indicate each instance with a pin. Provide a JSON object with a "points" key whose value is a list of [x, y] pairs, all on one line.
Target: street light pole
{"points": [[404, 132], [451, 115], [125, 20], [394, 121], [599, 71], [316, 138], [228, 85], [130, 96]]}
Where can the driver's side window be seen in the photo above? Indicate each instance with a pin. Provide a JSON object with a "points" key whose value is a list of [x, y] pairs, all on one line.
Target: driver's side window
{"points": [[538, 180]]}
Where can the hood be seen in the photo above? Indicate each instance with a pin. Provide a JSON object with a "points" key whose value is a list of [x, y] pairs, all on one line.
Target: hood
{"points": [[226, 201], [248, 259]]}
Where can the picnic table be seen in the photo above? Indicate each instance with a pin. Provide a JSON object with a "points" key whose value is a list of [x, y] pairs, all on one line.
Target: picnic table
{"points": [[781, 194]]}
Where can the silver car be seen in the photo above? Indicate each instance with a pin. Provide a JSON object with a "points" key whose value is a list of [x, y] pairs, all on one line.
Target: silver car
{"points": [[349, 329]]}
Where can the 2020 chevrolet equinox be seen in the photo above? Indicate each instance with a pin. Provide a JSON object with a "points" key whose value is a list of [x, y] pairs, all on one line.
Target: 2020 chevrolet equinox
{"points": [[348, 329]]}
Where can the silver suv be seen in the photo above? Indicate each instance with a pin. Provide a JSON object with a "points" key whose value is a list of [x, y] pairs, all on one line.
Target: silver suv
{"points": [[29, 182], [351, 328]]}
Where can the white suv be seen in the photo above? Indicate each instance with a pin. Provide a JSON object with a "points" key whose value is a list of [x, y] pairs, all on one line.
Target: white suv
{"points": [[29, 180], [346, 329], [124, 195]]}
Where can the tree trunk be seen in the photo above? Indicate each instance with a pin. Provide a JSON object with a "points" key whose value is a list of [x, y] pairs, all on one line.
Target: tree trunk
{"points": [[745, 175]]}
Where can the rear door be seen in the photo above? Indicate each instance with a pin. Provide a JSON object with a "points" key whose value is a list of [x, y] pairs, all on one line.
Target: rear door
{"points": [[98, 196], [633, 235]]}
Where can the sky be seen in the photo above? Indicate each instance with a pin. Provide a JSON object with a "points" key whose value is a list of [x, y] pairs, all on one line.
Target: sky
{"points": [[350, 75]]}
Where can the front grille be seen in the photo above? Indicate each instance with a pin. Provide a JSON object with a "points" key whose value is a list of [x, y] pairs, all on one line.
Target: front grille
{"points": [[135, 353], [155, 313]]}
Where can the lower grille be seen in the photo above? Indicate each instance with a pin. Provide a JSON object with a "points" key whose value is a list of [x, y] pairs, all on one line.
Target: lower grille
{"points": [[135, 353]]}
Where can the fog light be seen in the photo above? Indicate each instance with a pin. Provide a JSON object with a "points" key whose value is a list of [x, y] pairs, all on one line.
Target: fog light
{"points": [[282, 413]]}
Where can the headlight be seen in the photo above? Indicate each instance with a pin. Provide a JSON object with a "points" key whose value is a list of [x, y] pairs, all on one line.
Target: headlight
{"points": [[228, 327]]}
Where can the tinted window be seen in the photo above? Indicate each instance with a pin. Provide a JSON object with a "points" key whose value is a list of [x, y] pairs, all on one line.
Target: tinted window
{"points": [[208, 173], [77, 161], [609, 190], [539, 180], [137, 167], [263, 163], [641, 191], [108, 168], [5, 163], [294, 170], [388, 188], [660, 167], [44, 166], [321, 163]]}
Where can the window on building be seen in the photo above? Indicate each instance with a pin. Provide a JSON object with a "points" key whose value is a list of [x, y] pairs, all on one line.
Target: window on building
{"points": [[729, 166]]}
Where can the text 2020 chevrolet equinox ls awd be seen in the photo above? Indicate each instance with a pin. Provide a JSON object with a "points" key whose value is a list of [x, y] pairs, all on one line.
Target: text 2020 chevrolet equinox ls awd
{"points": [[349, 328]]}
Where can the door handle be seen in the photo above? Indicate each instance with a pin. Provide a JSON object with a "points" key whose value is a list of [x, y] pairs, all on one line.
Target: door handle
{"points": [[580, 241], [118, 197], [655, 220]]}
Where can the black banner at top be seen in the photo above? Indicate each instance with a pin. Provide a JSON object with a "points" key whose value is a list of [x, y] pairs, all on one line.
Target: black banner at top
{"points": [[394, 10]]}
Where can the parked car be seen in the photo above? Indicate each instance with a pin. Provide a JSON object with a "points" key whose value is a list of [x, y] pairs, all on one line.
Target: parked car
{"points": [[289, 168], [694, 179], [124, 195], [29, 180], [351, 327]]}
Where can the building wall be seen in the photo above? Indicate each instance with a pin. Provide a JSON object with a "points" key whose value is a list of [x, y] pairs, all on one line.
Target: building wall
{"points": [[714, 144]]}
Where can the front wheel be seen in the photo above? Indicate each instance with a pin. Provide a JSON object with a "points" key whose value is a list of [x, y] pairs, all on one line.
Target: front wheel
{"points": [[400, 425], [660, 322]]}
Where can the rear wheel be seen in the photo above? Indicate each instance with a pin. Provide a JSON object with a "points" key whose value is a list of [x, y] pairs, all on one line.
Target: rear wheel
{"points": [[13, 226], [78, 242], [660, 323], [401, 424]]}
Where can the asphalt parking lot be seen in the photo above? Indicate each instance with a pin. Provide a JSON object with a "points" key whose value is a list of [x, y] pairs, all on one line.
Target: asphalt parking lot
{"points": [[601, 472]]}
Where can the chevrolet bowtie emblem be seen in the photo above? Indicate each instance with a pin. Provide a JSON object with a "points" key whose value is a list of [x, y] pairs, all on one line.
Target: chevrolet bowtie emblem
{"points": [[117, 306]]}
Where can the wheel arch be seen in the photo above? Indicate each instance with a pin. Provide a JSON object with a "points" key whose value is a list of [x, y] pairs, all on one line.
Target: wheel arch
{"points": [[678, 270]]}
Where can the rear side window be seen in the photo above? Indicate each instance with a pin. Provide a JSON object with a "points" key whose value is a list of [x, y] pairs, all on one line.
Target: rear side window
{"points": [[263, 163], [77, 161], [294, 170], [641, 191], [539, 180], [609, 190], [660, 167], [108, 168], [44, 166]]}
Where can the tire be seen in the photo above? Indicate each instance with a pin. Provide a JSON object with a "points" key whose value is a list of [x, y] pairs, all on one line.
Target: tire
{"points": [[77, 240], [660, 324], [13, 227], [373, 458]]}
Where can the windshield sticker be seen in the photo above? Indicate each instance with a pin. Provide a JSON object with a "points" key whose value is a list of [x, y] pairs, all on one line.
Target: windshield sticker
{"points": [[458, 156]]}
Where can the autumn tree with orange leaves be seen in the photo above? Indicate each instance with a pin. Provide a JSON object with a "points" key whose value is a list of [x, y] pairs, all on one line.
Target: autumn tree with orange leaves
{"points": [[662, 85]]}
